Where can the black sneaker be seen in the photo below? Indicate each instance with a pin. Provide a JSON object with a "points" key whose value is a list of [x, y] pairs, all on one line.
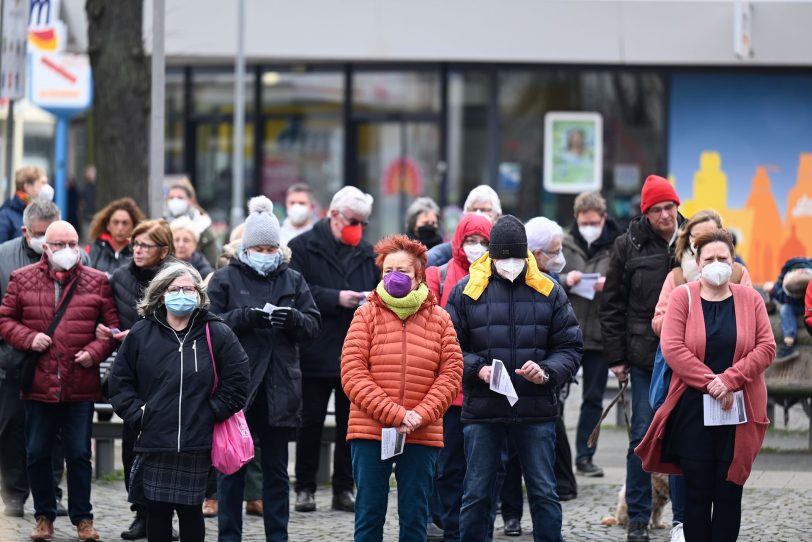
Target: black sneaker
{"points": [[305, 501], [786, 353], [637, 532], [344, 501], [513, 527], [587, 468], [434, 532], [138, 529]]}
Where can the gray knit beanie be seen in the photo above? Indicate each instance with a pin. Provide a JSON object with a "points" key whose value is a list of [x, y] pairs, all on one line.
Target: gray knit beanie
{"points": [[261, 226]]}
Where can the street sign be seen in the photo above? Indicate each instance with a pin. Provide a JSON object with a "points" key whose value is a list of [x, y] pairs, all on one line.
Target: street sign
{"points": [[15, 37], [46, 32], [61, 82]]}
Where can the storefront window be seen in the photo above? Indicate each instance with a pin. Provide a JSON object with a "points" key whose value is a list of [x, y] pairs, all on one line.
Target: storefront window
{"points": [[173, 142], [214, 92], [408, 91]]}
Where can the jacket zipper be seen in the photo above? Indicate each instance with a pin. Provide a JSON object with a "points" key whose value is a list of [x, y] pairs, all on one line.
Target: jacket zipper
{"points": [[403, 363], [194, 349], [512, 341]]}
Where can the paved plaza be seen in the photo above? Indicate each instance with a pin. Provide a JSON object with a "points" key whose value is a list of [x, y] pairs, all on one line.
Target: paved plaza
{"points": [[776, 506]]}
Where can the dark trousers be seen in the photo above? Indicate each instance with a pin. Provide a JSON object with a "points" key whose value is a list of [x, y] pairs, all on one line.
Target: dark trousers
{"points": [[638, 481], [13, 473], [593, 385], [275, 483], [190, 521], [447, 497], [315, 396], [74, 421], [706, 489]]}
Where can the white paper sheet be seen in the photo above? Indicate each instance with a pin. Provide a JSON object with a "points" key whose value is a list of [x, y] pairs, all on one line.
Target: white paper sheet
{"points": [[501, 383], [392, 442], [269, 308], [586, 287], [714, 415]]}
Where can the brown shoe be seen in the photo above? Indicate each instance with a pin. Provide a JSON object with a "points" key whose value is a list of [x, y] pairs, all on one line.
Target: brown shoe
{"points": [[85, 530], [44, 530], [253, 508], [210, 508]]}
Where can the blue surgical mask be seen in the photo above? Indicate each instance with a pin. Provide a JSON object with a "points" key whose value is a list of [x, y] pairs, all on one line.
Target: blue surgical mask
{"points": [[180, 304], [264, 263]]}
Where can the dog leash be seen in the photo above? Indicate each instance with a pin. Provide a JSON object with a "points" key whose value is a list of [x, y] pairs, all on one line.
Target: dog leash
{"points": [[620, 399]]}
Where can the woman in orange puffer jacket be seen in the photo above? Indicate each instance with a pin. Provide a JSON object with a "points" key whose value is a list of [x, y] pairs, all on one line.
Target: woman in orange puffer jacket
{"points": [[401, 367]]}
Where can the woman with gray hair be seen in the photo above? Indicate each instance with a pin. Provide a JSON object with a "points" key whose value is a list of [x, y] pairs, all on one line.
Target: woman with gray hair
{"points": [[423, 222], [163, 386]]}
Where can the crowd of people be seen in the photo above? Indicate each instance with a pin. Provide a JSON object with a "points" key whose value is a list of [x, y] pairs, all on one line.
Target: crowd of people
{"points": [[448, 363]]}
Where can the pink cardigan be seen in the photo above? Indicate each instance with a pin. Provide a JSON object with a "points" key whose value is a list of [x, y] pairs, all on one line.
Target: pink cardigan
{"points": [[683, 344], [668, 287]]}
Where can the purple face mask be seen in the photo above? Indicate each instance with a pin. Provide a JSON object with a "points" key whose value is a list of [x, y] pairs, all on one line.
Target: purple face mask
{"points": [[397, 284]]}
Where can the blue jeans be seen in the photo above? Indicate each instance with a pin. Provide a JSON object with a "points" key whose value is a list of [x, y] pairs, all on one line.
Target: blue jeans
{"points": [[789, 313], [535, 444], [676, 489], [74, 422], [638, 482], [450, 475], [593, 381], [414, 473]]}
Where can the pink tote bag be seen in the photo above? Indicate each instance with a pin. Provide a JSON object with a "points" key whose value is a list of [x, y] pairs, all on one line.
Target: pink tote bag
{"points": [[232, 446]]}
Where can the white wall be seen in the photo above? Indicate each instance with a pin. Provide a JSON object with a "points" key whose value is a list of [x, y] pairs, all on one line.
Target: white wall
{"points": [[559, 31]]}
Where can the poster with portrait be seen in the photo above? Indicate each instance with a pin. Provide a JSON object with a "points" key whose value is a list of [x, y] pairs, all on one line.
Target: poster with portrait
{"points": [[573, 152]]}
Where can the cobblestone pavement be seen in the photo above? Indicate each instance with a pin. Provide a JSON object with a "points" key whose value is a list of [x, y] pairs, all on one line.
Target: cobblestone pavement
{"points": [[776, 505]]}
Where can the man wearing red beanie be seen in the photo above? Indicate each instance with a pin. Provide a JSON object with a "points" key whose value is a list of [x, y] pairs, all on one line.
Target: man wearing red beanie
{"points": [[641, 259]]}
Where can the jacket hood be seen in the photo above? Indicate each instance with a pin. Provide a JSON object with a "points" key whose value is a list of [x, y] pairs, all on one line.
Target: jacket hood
{"points": [[481, 270], [471, 224]]}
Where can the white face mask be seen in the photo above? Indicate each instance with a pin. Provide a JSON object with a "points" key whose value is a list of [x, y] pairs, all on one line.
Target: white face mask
{"points": [[65, 259], [298, 213], [177, 206], [590, 233], [556, 264], [36, 244], [717, 273], [46, 193], [509, 268], [474, 252]]}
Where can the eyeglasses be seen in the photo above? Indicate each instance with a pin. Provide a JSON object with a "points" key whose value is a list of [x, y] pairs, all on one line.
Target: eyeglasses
{"points": [[145, 246], [552, 254], [486, 210], [354, 221], [659, 209], [189, 290], [60, 246]]}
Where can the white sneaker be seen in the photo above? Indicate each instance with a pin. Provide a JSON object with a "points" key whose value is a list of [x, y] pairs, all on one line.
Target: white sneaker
{"points": [[676, 533]]}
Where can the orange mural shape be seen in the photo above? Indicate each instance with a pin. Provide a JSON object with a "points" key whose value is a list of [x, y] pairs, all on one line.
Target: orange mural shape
{"points": [[763, 259], [403, 175]]}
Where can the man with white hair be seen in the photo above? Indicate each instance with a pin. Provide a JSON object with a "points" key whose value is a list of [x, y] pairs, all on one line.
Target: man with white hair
{"points": [[51, 308], [481, 200], [339, 267]]}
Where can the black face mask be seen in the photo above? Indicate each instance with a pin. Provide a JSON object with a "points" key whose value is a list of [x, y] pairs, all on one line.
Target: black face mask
{"points": [[428, 235]]}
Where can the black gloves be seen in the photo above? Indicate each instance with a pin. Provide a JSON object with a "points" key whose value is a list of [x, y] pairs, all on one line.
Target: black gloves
{"points": [[286, 317], [257, 317]]}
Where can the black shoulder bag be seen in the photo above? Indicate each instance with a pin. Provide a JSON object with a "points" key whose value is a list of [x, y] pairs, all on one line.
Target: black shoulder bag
{"points": [[20, 365]]}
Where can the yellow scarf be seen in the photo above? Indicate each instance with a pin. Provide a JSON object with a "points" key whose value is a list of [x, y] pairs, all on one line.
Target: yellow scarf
{"points": [[480, 277], [407, 305]]}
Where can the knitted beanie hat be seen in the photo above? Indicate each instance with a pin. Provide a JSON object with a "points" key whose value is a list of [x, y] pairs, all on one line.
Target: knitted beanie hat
{"points": [[508, 239], [261, 226], [657, 190]]}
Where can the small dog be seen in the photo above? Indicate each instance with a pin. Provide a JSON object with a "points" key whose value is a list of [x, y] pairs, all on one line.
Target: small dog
{"points": [[659, 497]]}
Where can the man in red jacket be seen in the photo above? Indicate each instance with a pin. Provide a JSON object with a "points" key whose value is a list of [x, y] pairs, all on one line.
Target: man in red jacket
{"points": [[66, 379]]}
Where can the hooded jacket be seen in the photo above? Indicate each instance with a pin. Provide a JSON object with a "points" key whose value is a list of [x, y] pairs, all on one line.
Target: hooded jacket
{"points": [[641, 260], [11, 218], [586, 258], [314, 256], [162, 381], [389, 366], [528, 319], [471, 224], [28, 308], [273, 353], [105, 258]]}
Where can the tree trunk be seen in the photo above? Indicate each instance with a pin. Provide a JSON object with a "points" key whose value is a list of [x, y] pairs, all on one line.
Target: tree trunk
{"points": [[121, 95]]}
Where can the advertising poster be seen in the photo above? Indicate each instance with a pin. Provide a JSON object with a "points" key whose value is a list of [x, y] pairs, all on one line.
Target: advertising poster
{"points": [[573, 152]]}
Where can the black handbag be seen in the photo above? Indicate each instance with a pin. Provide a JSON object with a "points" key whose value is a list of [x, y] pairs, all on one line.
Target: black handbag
{"points": [[20, 365]]}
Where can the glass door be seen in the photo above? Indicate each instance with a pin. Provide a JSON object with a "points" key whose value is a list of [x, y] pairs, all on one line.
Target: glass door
{"points": [[397, 161]]}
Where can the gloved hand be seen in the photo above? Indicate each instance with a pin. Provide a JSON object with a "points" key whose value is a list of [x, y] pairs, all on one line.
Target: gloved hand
{"points": [[285, 317], [257, 317]]}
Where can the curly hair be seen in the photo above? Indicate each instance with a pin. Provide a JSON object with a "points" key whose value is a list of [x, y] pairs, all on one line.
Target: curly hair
{"points": [[100, 220], [400, 243]]}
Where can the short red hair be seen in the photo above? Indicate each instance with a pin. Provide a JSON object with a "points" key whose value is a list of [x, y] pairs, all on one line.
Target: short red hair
{"points": [[400, 243]]}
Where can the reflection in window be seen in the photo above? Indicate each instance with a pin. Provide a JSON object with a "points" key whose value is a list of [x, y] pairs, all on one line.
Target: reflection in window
{"points": [[414, 92]]}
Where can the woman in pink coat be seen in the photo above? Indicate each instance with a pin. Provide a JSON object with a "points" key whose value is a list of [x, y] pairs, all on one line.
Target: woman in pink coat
{"points": [[718, 341]]}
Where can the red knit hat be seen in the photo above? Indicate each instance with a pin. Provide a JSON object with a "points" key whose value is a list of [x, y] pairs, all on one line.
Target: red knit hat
{"points": [[656, 190]]}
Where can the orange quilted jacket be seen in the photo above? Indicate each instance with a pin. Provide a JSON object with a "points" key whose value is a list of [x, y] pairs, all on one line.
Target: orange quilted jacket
{"points": [[389, 366]]}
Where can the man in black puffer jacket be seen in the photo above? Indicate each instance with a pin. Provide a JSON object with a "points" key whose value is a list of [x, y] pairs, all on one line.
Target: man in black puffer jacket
{"points": [[641, 260], [507, 310]]}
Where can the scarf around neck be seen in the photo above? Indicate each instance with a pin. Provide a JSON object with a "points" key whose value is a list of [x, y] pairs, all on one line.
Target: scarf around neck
{"points": [[404, 306]]}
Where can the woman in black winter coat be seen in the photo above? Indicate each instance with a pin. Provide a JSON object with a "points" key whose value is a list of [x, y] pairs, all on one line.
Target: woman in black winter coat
{"points": [[162, 385], [259, 275]]}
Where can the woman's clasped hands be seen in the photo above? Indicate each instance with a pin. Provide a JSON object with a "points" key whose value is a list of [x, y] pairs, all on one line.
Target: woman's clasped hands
{"points": [[717, 389]]}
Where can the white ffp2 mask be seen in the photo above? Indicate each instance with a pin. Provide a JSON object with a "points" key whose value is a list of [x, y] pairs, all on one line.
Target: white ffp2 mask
{"points": [[509, 268]]}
